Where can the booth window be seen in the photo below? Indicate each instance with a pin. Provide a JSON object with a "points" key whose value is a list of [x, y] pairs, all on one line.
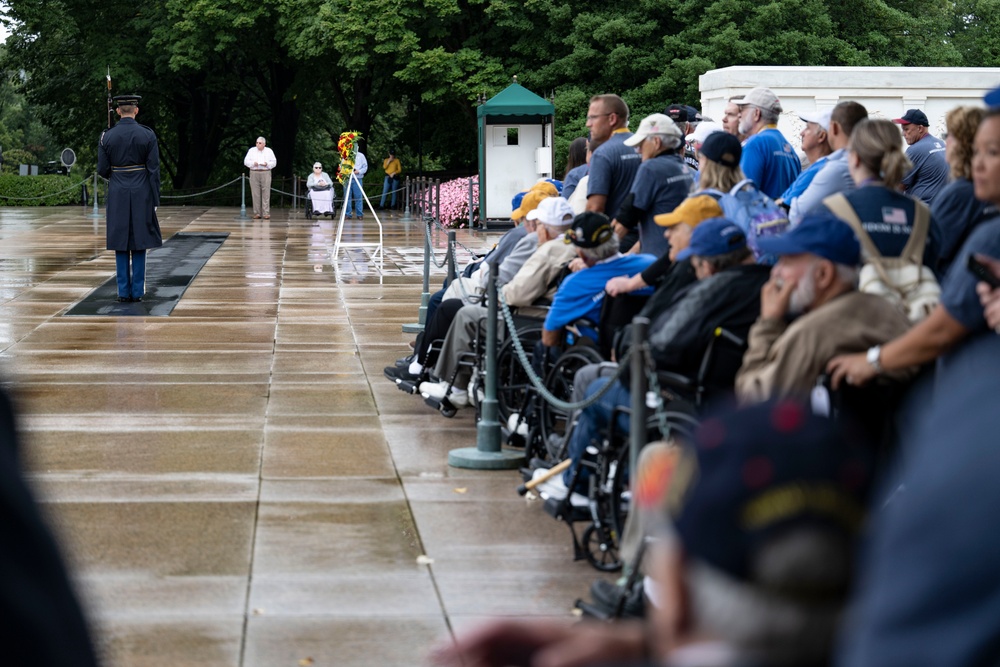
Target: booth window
{"points": [[505, 136]]}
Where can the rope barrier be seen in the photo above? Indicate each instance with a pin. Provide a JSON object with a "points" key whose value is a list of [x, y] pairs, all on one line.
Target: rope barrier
{"points": [[51, 194], [430, 244], [198, 194], [539, 385]]}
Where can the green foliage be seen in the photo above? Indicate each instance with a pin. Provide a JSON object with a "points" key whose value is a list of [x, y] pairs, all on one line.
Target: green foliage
{"points": [[214, 74], [39, 190]]}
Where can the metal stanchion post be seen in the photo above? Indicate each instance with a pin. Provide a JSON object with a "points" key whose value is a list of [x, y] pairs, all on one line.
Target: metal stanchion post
{"points": [[406, 211], [425, 297], [94, 212], [243, 197], [470, 202], [295, 194], [487, 454], [451, 258], [437, 196], [638, 389]]}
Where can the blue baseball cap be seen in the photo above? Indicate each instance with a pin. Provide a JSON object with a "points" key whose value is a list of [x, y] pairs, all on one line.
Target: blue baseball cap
{"points": [[713, 237], [819, 233], [992, 98], [755, 472], [515, 203]]}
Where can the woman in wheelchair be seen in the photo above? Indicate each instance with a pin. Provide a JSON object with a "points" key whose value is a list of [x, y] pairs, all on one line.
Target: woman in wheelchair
{"points": [[320, 196]]}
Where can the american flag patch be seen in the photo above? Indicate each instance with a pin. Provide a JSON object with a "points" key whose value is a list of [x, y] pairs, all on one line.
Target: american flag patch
{"points": [[895, 216]]}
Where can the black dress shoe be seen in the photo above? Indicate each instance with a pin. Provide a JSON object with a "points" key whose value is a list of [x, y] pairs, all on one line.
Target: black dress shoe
{"points": [[137, 299], [124, 299]]}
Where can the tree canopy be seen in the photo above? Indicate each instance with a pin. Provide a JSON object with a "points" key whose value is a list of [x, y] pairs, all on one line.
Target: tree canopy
{"points": [[407, 73]]}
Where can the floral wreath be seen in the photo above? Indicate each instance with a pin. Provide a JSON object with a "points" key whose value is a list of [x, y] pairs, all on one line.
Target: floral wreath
{"points": [[348, 147]]}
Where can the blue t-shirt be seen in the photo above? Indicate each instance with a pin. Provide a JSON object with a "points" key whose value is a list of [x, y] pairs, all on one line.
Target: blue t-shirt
{"points": [[887, 216], [582, 293], [930, 169], [958, 291], [612, 170], [800, 184], [834, 177], [572, 179], [659, 186], [770, 161]]}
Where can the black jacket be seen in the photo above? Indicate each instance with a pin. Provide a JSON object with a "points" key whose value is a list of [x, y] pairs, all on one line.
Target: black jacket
{"points": [[129, 156]]}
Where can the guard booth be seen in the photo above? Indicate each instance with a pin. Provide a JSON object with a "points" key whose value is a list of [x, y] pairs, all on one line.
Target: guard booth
{"points": [[515, 148]]}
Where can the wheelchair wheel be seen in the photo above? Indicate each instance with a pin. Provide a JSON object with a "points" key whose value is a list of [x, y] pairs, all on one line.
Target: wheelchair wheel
{"points": [[513, 383], [601, 549], [559, 381]]}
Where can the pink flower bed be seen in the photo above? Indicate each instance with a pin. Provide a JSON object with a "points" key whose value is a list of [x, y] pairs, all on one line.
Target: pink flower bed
{"points": [[455, 202]]}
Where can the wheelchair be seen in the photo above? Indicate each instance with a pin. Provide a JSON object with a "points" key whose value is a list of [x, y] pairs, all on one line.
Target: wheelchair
{"points": [[320, 202], [607, 461]]}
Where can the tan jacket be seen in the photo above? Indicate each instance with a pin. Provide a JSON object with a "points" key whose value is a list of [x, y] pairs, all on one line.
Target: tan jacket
{"points": [[531, 283], [786, 359]]}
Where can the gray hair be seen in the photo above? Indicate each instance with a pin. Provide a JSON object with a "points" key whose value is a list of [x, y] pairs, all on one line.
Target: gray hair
{"points": [[768, 116], [759, 620], [668, 141], [607, 249], [261, 139], [848, 274]]}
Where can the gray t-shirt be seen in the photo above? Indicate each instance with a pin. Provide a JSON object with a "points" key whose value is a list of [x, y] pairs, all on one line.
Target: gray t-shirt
{"points": [[612, 169], [930, 169]]}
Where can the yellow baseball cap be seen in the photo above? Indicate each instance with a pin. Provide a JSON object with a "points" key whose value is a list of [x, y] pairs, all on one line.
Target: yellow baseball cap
{"points": [[692, 210]]}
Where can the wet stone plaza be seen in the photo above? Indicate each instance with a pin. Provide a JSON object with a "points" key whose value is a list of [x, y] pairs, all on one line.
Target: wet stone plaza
{"points": [[236, 483]]}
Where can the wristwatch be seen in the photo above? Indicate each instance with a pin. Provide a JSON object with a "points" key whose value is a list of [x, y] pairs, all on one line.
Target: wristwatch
{"points": [[874, 358]]}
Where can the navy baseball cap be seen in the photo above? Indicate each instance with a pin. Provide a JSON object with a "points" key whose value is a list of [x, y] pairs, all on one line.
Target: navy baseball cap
{"points": [[677, 113], [820, 233], [723, 148], [755, 472], [992, 98], [589, 230], [713, 237], [913, 117]]}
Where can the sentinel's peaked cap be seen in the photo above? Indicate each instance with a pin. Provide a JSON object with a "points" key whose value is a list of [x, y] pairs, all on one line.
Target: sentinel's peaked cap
{"points": [[127, 100]]}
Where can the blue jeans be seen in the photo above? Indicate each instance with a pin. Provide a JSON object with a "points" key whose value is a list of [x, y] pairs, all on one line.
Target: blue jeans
{"points": [[390, 183], [131, 283], [355, 200], [593, 420]]}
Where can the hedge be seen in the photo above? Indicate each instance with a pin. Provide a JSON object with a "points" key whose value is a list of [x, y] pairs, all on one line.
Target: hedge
{"points": [[42, 190]]}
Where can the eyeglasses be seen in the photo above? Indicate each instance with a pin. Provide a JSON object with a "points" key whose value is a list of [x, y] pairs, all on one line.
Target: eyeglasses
{"points": [[595, 116]]}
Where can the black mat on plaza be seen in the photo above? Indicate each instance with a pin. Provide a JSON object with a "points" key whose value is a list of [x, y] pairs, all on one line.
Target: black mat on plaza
{"points": [[169, 271]]}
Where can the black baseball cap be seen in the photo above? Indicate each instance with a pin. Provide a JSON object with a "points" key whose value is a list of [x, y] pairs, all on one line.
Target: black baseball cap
{"points": [[913, 117], [589, 230]]}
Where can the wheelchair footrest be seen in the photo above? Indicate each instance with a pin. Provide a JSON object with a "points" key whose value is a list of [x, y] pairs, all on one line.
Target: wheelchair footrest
{"points": [[562, 510]]}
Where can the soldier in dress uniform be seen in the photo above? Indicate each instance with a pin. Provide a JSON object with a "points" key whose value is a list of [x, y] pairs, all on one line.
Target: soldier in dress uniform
{"points": [[129, 156]]}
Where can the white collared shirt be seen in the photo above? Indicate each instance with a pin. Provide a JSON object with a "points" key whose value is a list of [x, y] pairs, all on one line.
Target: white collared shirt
{"points": [[264, 156]]}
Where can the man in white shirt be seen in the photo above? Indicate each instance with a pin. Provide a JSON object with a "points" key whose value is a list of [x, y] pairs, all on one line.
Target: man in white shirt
{"points": [[355, 200], [260, 161]]}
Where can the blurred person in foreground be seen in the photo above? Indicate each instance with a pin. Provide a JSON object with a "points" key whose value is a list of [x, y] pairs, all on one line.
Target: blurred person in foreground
{"points": [[42, 621], [751, 569]]}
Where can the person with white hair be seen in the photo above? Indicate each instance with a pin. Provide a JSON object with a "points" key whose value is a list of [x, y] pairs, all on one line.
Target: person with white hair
{"points": [[768, 157], [260, 161]]}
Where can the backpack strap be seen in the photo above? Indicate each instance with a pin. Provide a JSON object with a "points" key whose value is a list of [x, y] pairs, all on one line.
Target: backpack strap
{"points": [[842, 208], [742, 184], [914, 249]]}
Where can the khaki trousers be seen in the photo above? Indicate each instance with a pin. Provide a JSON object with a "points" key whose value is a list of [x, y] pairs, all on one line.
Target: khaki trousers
{"points": [[260, 191]]}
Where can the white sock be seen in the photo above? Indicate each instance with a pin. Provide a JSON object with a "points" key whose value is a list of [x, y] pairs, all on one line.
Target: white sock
{"points": [[416, 368]]}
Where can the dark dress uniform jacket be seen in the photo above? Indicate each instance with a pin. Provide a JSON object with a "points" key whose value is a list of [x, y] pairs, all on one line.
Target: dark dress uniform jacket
{"points": [[129, 156]]}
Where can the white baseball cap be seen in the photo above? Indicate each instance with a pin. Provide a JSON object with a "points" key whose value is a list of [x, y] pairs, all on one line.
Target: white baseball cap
{"points": [[657, 123], [821, 118], [704, 129], [554, 211]]}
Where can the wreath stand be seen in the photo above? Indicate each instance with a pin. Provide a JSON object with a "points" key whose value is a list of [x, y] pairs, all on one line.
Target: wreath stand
{"points": [[377, 254]]}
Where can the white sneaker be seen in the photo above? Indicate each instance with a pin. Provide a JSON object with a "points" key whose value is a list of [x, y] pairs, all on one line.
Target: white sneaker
{"points": [[554, 488], [438, 390], [513, 427]]}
